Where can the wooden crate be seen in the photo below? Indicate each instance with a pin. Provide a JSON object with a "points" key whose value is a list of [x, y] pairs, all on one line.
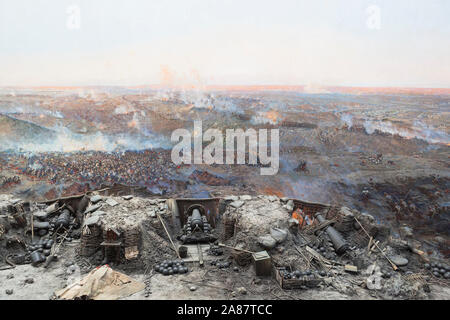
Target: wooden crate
{"points": [[288, 284]]}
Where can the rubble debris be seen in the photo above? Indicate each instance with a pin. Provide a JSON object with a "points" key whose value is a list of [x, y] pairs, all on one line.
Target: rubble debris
{"points": [[399, 260], [289, 205], [93, 208], [267, 242], [51, 208], [55, 247], [237, 204], [350, 268], [278, 234], [111, 202], [96, 198], [241, 290], [92, 220], [293, 225], [406, 232], [382, 252], [231, 198]]}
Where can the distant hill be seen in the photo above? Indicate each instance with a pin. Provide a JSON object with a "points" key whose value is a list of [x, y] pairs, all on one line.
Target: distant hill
{"points": [[15, 132]]}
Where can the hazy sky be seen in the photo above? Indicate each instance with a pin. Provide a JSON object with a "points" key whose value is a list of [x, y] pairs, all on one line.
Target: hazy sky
{"points": [[137, 42]]}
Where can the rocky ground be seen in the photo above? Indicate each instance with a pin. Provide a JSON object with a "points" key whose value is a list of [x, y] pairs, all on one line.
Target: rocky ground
{"points": [[260, 223]]}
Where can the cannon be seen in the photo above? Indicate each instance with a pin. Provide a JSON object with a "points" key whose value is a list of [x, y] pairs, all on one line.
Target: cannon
{"points": [[338, 242], [197, 228]]}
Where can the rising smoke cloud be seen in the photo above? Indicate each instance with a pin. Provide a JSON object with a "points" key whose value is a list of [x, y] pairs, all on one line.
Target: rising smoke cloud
{"points": [[419, 130]]}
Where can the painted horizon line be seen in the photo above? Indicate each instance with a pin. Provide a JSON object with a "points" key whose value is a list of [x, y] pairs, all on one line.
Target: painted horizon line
{"points": [[292, 88]]}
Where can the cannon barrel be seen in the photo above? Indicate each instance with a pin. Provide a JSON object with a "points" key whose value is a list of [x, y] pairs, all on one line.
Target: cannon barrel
{"points": [[196, 219], [338, 242]]}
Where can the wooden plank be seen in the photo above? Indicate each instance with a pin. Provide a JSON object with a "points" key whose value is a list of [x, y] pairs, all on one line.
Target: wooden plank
{"points": [[200, 254]]}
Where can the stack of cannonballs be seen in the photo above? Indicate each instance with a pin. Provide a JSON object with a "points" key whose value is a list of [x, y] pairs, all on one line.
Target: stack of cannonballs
{"points": [[39, 250], [215, 250], [170, 267], [221, 264], [439, 270], [326, 249], [43, 246]]}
